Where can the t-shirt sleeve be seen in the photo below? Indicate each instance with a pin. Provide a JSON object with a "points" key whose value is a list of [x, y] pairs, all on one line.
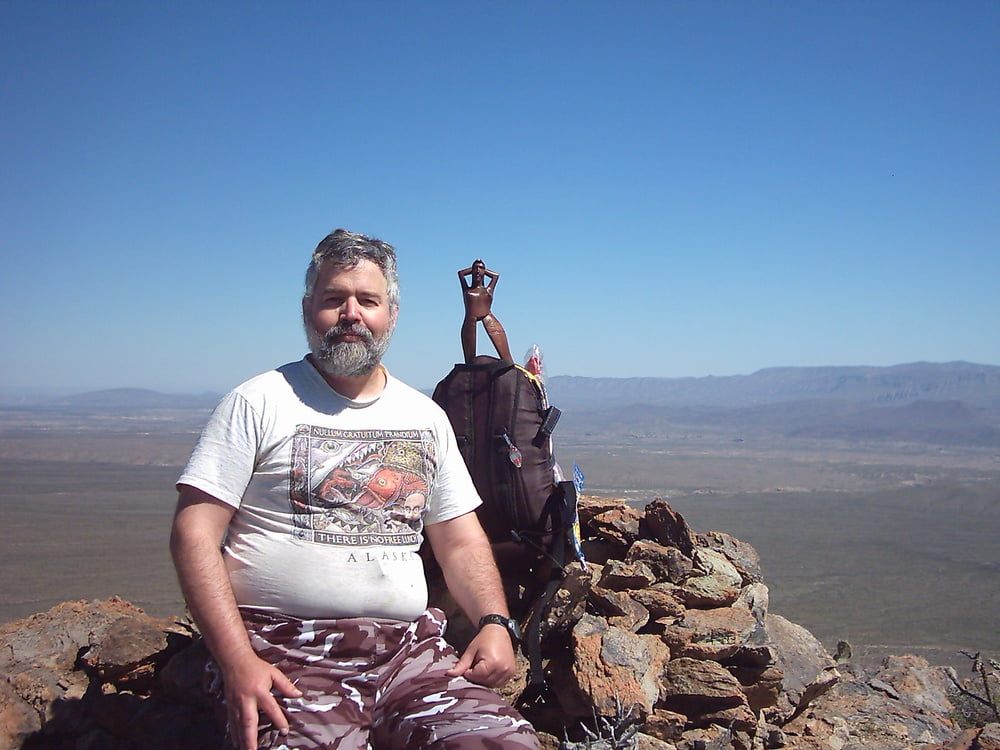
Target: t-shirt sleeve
{"points": [[223, 461], [454, 492]]}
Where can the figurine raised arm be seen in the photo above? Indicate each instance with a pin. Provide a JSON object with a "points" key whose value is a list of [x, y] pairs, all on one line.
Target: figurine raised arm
{"points": [[478, 301]]}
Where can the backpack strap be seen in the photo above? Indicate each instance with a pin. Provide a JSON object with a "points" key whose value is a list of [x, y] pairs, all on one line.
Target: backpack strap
{"points": [[556, 511]]}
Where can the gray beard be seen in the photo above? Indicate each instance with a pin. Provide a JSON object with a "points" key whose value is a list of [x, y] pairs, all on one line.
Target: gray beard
{"points": [[347, 359]]}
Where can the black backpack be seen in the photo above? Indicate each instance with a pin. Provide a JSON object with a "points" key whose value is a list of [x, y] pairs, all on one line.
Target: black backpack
{"points": [[503, 422]]}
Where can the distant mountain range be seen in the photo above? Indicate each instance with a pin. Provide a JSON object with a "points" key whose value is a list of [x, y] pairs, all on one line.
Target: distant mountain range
{"points": [[975, 385], [953, 403], [132, 399]]}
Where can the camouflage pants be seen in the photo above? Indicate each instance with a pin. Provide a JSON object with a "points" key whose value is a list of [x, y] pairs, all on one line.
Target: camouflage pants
{"points": [[378, 685]]}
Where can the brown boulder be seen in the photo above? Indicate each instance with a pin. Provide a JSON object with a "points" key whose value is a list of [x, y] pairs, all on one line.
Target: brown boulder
{"points": [[715, 634], [664, 525], [718, 583], [131, 650], [808, 670], [916, 683], [614, 668], [741, 554], [661, 601], [664, 724], [989, 737], [626, 576], [618, 525], [620, 609], [666, 563], [695, 688]]}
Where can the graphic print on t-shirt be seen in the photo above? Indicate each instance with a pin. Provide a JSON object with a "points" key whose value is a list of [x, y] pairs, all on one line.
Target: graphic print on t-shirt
{"points": [[356, 488]]}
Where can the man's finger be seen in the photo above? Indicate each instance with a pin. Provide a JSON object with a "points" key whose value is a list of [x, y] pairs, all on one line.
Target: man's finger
{"points": [[285, 686], [462, 666], [245, 724], [275, 713]]}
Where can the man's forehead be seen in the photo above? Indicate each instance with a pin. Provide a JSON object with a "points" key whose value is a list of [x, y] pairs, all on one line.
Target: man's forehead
{"points": [[364, 274]]}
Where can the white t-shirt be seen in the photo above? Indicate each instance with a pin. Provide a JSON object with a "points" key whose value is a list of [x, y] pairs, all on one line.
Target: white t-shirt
{"points": [[331, 494]]}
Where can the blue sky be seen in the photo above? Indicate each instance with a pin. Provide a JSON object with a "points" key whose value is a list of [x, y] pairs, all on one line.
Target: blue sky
{"points": [[667, 188]]}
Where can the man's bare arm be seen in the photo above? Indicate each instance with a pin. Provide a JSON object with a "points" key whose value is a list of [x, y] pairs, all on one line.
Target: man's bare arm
{"points": [[195, 541], [463, 552]]}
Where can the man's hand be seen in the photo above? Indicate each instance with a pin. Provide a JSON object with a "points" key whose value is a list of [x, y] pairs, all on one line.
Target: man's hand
{"points": [[465, 557], [489, 658], [249, 685], [199, 526]]}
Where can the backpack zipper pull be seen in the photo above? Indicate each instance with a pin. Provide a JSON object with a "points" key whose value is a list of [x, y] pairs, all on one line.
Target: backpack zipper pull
{"points": [[513, 453]]}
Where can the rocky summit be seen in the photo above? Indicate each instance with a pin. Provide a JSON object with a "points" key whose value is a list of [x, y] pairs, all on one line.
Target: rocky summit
{"points": [[663, 640]]}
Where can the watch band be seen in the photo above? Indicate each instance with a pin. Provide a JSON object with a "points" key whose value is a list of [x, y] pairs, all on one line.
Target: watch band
{"points": [[507, 623]]}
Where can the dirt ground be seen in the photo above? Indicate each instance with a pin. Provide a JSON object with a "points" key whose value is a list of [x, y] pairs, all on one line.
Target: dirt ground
{"points": [[891, 547]]}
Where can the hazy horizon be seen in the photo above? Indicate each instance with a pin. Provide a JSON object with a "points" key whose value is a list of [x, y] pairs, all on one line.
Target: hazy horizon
{"points": [[15, 392]]}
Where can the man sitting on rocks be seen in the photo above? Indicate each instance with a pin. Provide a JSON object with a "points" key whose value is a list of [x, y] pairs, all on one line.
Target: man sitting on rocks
{"points": [[296, 535]]}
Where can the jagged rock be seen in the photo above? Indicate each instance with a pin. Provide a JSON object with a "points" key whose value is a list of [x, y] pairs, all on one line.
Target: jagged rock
{"points": [[738, 719], [742, 555], [710, 633], [694, 688], [651, 742], [621, 609], [61, 664], [854, 713], [920, 686], [665, 725], [755, 597], [712, 738], [761, 685], [967, 740], [809, 671], [667, 563], [661, 601], [570, 601], [626, 576], [667, 527], [132, 649], [618, 525], [613, 667], [18, 718], [989, 737], [718, 585], [591, 506], [724, 633]]}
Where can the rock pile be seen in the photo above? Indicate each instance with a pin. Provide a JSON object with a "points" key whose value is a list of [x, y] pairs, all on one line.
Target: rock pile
{"points": [[103, 676], [671, 629], [663, 641]]}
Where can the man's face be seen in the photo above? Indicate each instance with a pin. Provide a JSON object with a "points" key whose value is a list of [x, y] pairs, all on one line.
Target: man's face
{"points": [[348, 319]]}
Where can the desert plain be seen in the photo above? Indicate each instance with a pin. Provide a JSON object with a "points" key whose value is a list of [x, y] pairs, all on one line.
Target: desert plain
{"points": [[889, 546]]}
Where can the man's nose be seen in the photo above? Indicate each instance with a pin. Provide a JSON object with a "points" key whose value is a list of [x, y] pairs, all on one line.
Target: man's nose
{"points": [[350, 310]]}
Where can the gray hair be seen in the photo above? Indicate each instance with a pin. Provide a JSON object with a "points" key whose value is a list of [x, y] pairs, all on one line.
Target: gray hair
{"points": [[345, 250]]}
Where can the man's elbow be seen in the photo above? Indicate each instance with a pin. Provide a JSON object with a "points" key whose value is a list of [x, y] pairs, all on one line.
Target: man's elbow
{"points": [[182, 539]]}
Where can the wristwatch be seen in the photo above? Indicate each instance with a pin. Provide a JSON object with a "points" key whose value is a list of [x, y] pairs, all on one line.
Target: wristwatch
{"points": [[509, 624]]}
